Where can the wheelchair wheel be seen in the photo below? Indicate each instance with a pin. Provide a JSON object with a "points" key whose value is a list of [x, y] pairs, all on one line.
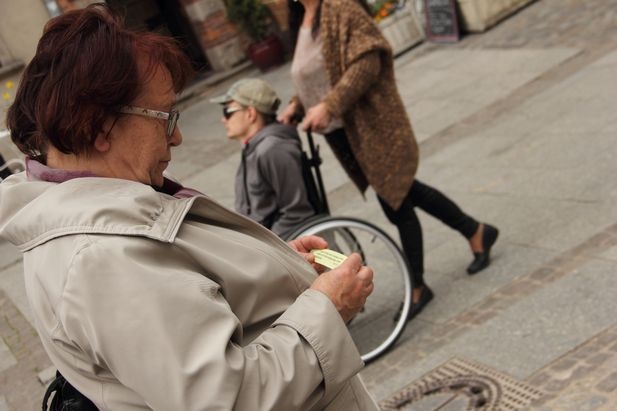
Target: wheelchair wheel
{"points": [[383, 319]]}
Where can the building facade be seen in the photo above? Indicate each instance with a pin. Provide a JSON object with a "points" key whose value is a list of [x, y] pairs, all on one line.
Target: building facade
{"points": [[201, 26]]}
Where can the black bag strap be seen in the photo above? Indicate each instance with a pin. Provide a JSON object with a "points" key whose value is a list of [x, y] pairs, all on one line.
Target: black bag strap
{"points": [[54, 386], [66, 397]]}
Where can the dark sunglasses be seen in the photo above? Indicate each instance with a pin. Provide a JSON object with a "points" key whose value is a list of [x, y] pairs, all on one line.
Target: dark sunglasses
{"points": [[229, 111]]}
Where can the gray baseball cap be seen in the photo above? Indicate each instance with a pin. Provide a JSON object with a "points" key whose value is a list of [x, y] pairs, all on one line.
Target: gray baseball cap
{"points": [[251, 92]]}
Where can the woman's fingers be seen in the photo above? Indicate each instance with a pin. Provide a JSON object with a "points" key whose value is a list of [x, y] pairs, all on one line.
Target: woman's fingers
{"points": [[317, 118], [347, 286], [307, 243]]}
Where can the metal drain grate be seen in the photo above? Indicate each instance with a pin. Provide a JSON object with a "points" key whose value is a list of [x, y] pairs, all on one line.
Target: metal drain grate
{"points": [[463, 385]]}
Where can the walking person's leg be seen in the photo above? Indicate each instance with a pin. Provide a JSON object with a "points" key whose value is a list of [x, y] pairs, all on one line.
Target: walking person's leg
{"points": [[481, 236], [410, 232]]}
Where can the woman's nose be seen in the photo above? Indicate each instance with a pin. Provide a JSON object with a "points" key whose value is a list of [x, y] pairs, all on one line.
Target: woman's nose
{"points": [[176, 137]]}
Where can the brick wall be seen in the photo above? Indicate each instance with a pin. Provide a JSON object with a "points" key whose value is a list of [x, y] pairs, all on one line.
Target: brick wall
{"points": [[220, 40], [279, 10]]}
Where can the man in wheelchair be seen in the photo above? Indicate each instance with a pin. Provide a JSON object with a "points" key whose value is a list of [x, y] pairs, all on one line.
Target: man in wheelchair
{"points": [[269, 187]]}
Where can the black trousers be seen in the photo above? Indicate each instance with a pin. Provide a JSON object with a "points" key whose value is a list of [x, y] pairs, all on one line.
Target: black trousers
{"points": [[406, 221]]}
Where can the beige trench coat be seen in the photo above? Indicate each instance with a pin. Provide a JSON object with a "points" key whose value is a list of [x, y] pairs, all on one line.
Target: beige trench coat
{"points": [[145, 301]]}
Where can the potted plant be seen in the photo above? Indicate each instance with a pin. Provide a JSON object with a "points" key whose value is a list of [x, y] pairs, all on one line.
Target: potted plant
{"points": [[398, 24], [255, 20]]}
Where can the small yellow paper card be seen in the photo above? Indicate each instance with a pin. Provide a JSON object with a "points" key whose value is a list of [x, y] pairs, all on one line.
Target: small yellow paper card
{"points": [[328, 258]]}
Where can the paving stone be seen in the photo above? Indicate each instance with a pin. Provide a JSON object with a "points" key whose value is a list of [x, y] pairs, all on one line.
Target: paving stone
{"points": [[598, 359], [47, 375], [13, 285], [456, 404], [435, 402], [564, 364], [18, 384], [7, 359], [539, 379], [555, 385], [578, 403], [609, 383]]}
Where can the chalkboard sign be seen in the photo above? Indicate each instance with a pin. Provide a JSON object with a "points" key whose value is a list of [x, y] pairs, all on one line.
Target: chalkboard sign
{"points": [[441, 20]]}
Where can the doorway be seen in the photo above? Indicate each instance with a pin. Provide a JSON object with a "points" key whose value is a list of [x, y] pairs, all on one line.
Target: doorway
{"points": [[165, 17]]}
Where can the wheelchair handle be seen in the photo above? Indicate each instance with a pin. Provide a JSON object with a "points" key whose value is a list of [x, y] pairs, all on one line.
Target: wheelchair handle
{"points": [[315, 161]]}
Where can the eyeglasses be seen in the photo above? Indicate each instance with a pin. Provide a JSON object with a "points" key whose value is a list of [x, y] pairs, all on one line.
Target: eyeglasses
{"points": [[229, 111], [171, 117]]}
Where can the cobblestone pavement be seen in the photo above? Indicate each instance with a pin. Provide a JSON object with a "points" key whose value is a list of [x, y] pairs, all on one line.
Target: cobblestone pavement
{"points": [[582, 379], [585, 377], [590, 26], [553, 23], [20, 388]]}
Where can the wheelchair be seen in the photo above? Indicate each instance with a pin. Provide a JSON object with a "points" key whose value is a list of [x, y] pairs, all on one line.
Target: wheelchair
{"points": [[378, 325]]}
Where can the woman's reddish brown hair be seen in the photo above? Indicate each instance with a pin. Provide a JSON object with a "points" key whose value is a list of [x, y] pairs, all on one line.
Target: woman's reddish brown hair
{"points": [[85, 68]]}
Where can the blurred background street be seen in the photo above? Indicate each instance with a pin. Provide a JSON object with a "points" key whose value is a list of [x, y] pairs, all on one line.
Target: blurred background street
{"points": [[518, 125]]}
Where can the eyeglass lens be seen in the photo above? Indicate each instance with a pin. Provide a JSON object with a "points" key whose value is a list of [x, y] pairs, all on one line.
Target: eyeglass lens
{"points": [[174, 115]]}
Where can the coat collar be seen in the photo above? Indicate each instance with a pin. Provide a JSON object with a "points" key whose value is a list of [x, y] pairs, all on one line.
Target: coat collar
{"points": [[36, 171], [33, 212]]}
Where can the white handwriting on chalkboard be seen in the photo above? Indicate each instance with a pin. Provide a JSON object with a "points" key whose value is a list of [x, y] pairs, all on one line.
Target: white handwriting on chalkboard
{"points": [[438, 3], [441, 18]]}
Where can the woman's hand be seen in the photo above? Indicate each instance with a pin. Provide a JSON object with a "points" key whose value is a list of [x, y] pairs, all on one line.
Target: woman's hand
{"points": [[347, 286], [287, 116], [317, 118], [304, 245]]}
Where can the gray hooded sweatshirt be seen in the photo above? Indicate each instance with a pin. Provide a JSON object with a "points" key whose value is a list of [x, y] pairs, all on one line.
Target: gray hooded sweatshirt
{"points": [[269, 185]]}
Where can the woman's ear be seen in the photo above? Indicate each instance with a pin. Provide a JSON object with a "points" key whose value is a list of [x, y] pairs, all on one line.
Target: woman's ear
{"points": [[102, 141]]}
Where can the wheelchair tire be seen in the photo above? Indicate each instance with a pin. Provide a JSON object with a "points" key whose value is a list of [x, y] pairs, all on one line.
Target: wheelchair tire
{"points": [[384, 317]]}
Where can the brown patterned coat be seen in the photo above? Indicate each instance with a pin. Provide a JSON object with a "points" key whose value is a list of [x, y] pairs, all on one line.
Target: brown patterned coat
{"points": [[360, 67]]}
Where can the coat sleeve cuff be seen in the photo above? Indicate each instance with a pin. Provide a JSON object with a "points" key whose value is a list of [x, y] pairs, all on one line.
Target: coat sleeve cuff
{"points": [[334, 105], [315, 318]]}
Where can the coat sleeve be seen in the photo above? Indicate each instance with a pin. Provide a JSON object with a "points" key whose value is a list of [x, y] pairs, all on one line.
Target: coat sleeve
{"points": [[165, 331], [280, 164], [356, 80], [354, 48]]}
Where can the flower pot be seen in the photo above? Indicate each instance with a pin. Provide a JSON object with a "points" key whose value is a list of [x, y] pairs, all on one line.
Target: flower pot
{"points": [[266, 53], [402, 30], [479, 15]]}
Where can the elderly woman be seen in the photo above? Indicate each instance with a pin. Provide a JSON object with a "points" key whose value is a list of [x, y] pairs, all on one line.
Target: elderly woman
{"points": [[147, 294]]}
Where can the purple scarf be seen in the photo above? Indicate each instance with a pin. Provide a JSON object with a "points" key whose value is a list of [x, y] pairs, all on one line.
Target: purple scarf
{"points": [[36, 171]]}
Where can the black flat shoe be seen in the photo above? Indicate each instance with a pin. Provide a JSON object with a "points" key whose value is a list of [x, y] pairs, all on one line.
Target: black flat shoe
{"points": [[425, 297], [483, 259]]}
